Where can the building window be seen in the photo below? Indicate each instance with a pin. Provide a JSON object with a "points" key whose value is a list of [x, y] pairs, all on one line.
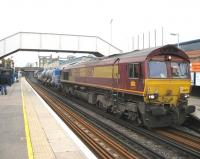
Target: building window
{"points": [[133, 70]]}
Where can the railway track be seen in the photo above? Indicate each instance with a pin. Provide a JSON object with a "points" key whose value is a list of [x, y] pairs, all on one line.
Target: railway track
{"points": [[189, 141], [98, 141], [184, 141], [186, 130], [193, 124], [162, 139]]}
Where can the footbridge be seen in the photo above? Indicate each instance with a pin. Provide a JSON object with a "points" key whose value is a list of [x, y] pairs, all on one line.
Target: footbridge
{"points": [[58, 43]]}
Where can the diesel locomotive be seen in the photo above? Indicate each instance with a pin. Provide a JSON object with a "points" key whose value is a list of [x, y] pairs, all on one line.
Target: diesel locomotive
{"points": [[150, 87]]}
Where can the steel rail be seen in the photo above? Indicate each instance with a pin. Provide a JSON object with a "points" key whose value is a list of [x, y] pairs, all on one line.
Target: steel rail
{"points": [[180, 137]]}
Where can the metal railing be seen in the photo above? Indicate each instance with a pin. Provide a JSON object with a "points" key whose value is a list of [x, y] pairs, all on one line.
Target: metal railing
{"points": [[50, 42]]}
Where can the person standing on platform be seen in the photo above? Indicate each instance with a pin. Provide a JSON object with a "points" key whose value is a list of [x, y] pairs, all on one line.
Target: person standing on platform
{"points": [[3, 83], [0, 80]]}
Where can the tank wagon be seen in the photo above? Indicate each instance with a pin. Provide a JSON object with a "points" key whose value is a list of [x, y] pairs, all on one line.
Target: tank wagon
{"points": [[41, 76], [150, 86], [50, 77], [37, 74]]}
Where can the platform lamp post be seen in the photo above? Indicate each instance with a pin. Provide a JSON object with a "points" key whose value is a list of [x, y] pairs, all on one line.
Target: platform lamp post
{"points": [[176, 34], [111, 21]]}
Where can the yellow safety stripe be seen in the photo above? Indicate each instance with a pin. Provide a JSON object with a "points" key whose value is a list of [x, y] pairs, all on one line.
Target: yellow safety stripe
{"points": [[27, 131]]}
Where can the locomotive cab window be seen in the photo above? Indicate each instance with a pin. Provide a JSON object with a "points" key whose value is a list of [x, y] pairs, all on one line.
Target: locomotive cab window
{"points": [[179, 70], [133, 70], [157, 69]]}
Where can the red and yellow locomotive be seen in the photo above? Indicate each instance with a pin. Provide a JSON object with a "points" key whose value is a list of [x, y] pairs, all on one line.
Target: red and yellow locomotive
{"points": [[150, 86]]}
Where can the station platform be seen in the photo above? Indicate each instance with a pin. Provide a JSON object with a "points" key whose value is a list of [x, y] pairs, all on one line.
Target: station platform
{"points": [[30, 129]]}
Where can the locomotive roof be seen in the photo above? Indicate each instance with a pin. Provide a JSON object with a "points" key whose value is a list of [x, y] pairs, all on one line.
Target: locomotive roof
{"points": [[135, 56], [146, 53], [135, 53]]}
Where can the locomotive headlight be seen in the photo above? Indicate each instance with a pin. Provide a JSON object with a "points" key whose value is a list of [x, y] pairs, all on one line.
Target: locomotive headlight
{"points": [[152, 96], [185, 96]]}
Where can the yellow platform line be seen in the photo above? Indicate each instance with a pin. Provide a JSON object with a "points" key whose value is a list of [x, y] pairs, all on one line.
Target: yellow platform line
{"points": [[27, 131]]}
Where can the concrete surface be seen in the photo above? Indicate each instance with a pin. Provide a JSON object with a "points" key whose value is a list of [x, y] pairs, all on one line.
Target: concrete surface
{"points": [[12, 132]]}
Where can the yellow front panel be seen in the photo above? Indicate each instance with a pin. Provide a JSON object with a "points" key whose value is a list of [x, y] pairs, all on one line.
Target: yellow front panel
{"points": [[168, 90]]}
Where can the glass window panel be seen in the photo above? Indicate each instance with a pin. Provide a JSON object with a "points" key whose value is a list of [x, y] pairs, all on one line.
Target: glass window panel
{"points": [[157, 69], [133, 70], [179, 70]]}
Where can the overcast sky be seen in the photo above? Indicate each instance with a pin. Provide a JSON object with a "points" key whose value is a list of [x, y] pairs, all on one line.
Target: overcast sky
{"points": [[92, 17]]}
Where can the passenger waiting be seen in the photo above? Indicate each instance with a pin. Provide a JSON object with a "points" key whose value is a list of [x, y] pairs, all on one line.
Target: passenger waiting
{"points": [[3, 83]]}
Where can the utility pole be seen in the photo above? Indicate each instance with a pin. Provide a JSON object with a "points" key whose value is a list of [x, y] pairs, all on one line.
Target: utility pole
{"points": [[149, 39], [176, 34], [111, 21], [143, 40], [162, 37], [133, 41], [155, 36]]}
